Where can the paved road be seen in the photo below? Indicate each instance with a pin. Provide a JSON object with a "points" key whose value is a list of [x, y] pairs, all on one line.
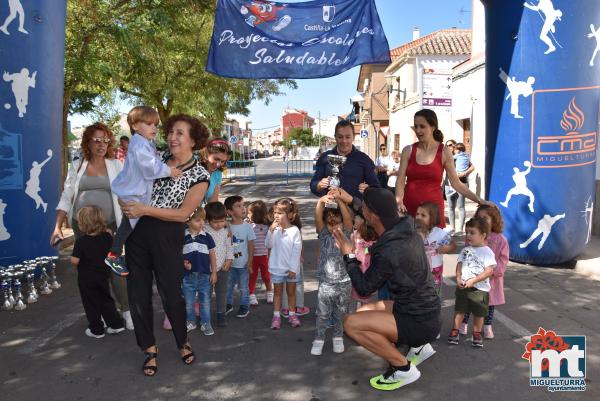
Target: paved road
{"points": [[45, 355]]}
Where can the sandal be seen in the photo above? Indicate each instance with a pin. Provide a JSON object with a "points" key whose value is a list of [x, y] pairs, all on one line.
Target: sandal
{"points": [[149, 370], [186, 358]]}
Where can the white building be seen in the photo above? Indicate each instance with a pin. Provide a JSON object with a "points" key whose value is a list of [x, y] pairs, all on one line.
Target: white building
{"points": [[468, 101], [421, 77]]}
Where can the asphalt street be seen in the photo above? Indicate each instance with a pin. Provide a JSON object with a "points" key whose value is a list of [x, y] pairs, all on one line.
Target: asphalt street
{"points": [[44, 354]]}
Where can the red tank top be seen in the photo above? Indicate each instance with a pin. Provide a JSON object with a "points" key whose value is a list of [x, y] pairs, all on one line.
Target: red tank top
{"points": [[424, 183]]}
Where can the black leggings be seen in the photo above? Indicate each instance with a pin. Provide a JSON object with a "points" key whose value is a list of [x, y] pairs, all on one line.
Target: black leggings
{"points": [[155, 250], [486, 320]]}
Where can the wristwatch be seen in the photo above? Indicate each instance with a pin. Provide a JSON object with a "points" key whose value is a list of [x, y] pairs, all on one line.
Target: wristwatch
{"points": [[348, 257]]}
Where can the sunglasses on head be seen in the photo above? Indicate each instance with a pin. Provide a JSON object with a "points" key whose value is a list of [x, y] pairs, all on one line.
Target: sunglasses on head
{"points": [[100, 140]]}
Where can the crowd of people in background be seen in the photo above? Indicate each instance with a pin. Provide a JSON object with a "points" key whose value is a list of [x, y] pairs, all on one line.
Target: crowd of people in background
{"points": [[381, 236]]}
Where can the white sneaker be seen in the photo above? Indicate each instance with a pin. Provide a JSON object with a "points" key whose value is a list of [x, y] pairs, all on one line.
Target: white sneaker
{"points": [[110, 330], [89, 333], [420, 354], [338, 345], [393, 379], [207, 329], [191, 326], [128, 321], [253, 300], [269, 297], [317, 347]]}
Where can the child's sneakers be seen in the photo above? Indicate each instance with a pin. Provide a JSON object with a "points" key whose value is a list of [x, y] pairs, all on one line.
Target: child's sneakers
{"points": [[116, 264], [338, 345], [110, 330], [253, 300], [462, 329], [89, 333], [128, 321], [453, 337], [317, 347], [488, 333], [207, 329], [269, 297], [417, 355], [243, 311], [294, 321], [477, 339], [276, 323], [228, 309], [303, 310], [191, 326], [300, 311], [394, 378]]}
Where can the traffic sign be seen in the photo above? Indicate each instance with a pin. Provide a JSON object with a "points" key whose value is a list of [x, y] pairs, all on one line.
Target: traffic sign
{"points": [[364, 133], [294, 142], [233, 140]]}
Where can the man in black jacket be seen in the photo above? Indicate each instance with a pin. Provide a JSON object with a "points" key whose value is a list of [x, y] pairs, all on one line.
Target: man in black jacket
{"points": [[412, 317], [357, 172]]}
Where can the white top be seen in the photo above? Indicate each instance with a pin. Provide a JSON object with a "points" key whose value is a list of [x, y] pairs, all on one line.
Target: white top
{"points": [[384, 161], [71, 187], [474, 261], [223, 246], [142, 166], [286, 248], [392, 179], [436, 238]]}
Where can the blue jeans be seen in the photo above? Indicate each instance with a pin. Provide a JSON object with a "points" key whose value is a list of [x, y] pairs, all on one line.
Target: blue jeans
{"points": [[196, 286], [240, 277]]}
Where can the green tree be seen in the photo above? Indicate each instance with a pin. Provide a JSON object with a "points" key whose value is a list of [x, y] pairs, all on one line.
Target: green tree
{"points": [[153, 52], [303, 137]]}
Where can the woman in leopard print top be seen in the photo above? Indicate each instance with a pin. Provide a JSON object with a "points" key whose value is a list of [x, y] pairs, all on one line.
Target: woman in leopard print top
{"points": [[155, 246]]}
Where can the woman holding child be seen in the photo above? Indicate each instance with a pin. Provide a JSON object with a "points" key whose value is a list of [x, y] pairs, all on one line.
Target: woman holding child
{"points": [[155, 246]]}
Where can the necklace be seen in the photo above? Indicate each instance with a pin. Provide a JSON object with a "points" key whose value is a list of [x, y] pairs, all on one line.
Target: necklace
{"points": [[187, 162]]}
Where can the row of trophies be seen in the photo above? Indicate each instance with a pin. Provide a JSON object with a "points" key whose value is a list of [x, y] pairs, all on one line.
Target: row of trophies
{"points": [[14, 278]]}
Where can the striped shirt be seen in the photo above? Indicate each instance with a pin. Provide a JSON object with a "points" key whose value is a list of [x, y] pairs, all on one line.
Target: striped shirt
{"points": [[260, 231], [196, 249]]}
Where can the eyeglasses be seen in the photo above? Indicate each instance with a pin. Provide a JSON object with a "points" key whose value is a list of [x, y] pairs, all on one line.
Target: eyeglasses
{"points": [[383, 148], [100, 140]]}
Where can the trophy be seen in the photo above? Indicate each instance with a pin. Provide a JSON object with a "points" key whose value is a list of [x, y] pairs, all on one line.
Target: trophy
{"points": [[53, 281], [33, 295], [4, 286], [19, 304], [44, 287], [336, 162]]}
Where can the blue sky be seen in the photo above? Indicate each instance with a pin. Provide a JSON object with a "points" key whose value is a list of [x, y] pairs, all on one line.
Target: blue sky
{"points": [[330, 96]]}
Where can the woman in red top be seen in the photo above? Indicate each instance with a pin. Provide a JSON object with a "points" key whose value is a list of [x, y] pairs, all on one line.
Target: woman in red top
{"points": [[422, 166]]}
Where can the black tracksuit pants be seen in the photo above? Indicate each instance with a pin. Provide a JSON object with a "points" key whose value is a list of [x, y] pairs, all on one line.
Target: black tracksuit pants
{"points": [[96, 299], [155, 250]]}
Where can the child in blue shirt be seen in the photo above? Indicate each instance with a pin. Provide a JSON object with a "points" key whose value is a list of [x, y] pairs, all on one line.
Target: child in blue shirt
{"points": [[200, 263], [134, 182], [243, 253]]}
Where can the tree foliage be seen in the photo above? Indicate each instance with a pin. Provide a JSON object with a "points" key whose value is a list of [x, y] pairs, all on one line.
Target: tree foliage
{"points": [[303, 137], [152, 52]]}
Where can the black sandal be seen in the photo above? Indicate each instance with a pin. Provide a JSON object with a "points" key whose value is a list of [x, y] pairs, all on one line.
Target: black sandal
{"points": [[149, 368], [185, 358]]}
